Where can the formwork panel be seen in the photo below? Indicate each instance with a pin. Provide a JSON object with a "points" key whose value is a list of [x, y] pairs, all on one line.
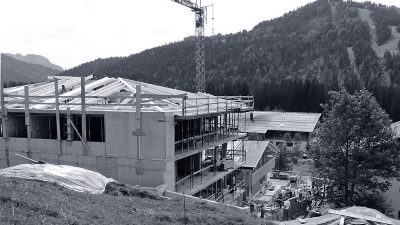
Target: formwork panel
{"points": [[71, 160], [107, 166], [127, 171], [49, 157], [2, 144], [72, 147], [170, 176], [16, 160], [3, 160], [44, 145], [120, 141], [170, 136], [97, 148], [153, 173], [17, 144], [87, 162], [153, 143]]}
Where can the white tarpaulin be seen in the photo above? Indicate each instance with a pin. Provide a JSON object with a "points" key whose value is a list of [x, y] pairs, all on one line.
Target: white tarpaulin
{"points": [[73, 178]]}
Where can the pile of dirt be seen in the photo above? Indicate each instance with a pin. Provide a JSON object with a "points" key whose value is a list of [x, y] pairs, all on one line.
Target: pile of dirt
{"points": [[119, 189]]}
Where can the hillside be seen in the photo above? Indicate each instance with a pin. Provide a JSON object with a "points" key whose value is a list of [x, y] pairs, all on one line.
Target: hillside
{"points": [[35, 59], [288, 63], [15, 71], [33, 202]]}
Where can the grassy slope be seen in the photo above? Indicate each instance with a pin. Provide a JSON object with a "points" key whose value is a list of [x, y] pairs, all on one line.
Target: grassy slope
{"points": [[32, 202], [390, 45]]}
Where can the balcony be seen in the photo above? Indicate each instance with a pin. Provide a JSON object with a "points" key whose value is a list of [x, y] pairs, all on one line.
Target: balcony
{"points": [[204, 177], [193, 145]]}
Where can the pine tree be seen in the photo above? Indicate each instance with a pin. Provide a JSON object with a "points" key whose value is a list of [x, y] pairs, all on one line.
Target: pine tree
{"points": [[355, 148]]}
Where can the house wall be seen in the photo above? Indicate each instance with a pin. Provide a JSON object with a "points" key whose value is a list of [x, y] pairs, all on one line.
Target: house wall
{"points": [[276, 138], [393, 195], [117, 156], [261, 173]]}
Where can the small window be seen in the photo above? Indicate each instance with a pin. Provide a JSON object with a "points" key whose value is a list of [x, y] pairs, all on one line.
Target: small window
{"points": [[44, 126], [95, 128], [262, 180], [16, 125]]}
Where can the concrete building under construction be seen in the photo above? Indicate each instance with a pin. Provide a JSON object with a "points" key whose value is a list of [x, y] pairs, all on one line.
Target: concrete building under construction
{"points": [[134, 132]]}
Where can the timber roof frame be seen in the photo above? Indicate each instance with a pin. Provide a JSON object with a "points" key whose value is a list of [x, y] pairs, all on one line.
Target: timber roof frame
{"points": [[118, 94]]}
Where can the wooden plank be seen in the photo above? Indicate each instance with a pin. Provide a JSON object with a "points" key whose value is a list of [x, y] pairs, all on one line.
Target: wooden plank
{"points": [[83, 115], [56, 93], [69, 130], [80, 137], [138, 123], [28, 123]]}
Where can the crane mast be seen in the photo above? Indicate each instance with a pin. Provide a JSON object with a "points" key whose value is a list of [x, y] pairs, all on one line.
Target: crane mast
{"points": [[199, 33]]}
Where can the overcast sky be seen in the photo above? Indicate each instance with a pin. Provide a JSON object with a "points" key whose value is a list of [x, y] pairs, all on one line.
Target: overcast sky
{"points": [[71, 32]]}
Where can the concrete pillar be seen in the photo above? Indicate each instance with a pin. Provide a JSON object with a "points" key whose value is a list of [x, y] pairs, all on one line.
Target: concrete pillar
{"points": [[224, 150]]}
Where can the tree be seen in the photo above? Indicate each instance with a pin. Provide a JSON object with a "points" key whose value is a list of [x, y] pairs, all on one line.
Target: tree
{"points": [[282, 159], [355, 150]]}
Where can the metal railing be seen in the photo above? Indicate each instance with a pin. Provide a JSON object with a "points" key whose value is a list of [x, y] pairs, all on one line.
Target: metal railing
{"points": [[216, 104]]}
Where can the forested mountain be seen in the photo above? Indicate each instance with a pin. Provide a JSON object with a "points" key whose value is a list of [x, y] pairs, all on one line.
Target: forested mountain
{"points": [[288, 63], [14, 72], [35, 59]]}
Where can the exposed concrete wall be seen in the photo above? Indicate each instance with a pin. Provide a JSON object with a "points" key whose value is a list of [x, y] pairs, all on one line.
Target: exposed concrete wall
{"points": [[117, 156], [170, 151], [259, 174]]}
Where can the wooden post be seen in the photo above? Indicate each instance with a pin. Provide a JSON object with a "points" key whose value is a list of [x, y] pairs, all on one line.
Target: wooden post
{"points": [[4, 116], [215, 159], [28, 123], [243, 151], [69, 130], [56, 93], [217, 104], [188, 137], [139, 163], [83, 114], [197, 108], [245, 121], [226, 103], [208, 104], [183, 106]]}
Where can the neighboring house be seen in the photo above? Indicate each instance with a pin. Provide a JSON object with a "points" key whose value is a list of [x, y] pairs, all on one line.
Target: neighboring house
{"points": [[396, 129], [272, 126], [346, 216], [134, 132], [393, 194], [260, 160]]}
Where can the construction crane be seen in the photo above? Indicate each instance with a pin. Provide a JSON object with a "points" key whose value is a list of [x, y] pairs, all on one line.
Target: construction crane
{"points": [[200, 15]]}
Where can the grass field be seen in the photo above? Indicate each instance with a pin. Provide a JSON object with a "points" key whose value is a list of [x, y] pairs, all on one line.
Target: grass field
{"points": [[33, 202]]}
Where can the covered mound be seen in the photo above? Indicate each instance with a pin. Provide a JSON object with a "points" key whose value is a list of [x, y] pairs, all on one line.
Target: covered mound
{"points": [[73, 178]]}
